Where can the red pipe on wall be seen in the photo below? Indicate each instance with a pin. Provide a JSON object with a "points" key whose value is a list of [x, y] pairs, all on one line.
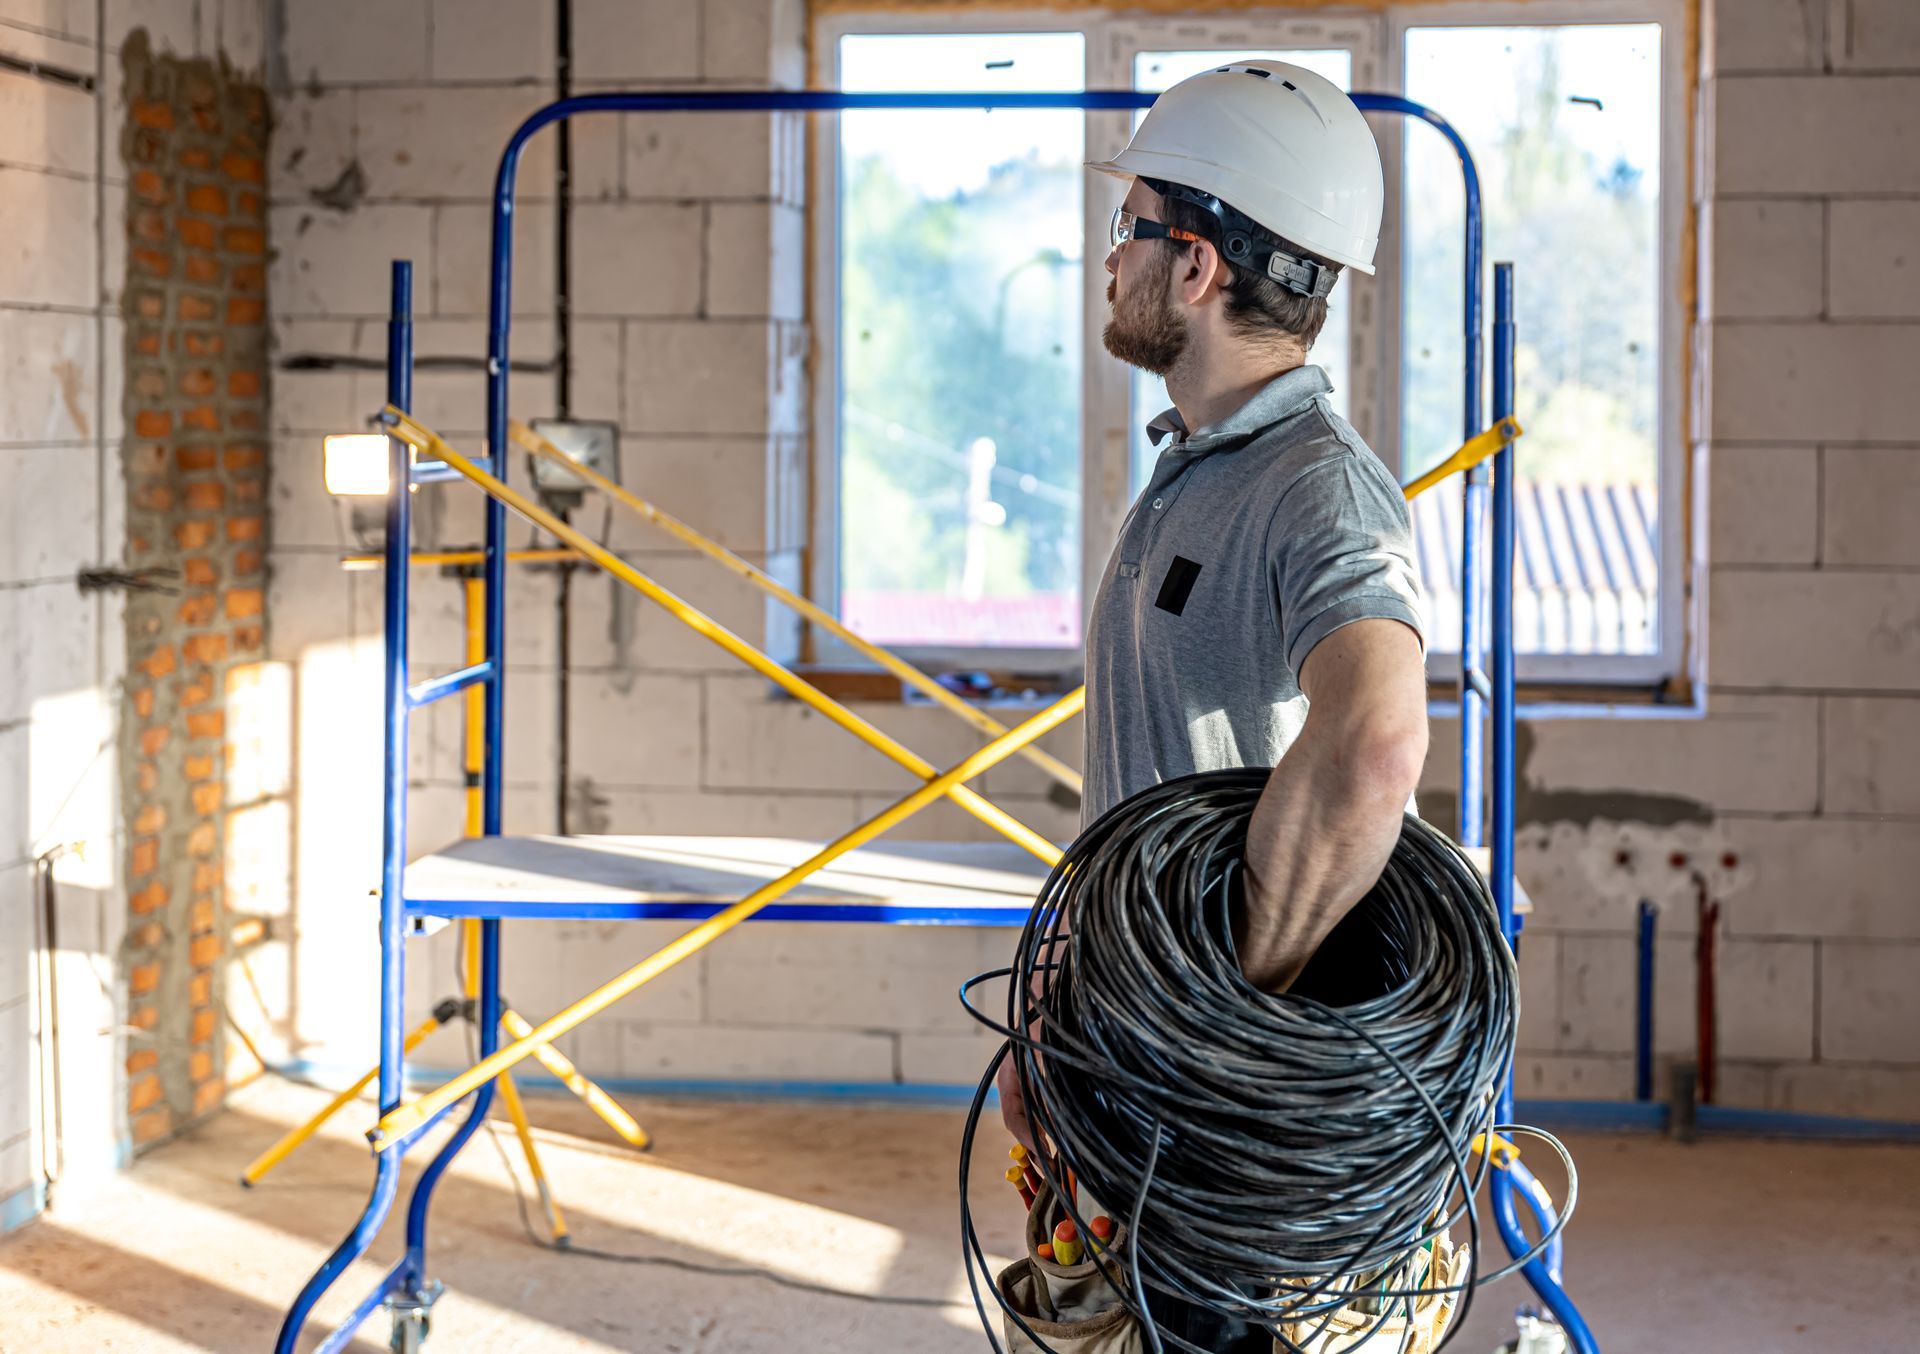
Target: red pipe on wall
{"points": [[1705, 997]]}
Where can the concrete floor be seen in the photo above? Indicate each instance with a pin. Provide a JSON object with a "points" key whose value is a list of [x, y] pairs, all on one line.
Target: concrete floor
{"points": [[1724, 1247]]}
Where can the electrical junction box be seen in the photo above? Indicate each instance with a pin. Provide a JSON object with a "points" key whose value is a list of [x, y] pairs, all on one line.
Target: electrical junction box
{"points": [[591, 442]]}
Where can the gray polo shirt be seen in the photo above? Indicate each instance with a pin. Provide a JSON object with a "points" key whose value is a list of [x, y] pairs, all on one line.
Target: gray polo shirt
{"points": [[1257, 537]]}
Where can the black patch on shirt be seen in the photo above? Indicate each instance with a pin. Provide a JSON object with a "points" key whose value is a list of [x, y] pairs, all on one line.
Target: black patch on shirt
{"points": [[1177, 586]]}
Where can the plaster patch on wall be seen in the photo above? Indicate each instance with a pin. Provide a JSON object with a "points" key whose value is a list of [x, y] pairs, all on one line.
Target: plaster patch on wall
{"points": [[1537, 804]]}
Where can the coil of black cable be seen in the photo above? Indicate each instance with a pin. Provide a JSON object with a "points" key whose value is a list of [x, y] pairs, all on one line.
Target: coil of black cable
{"points": [[1274, 1150]]}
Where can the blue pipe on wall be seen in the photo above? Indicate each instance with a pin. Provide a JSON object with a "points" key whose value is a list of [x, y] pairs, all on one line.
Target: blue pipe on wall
{"points": [[1643, 1005], [1563, 1116]]}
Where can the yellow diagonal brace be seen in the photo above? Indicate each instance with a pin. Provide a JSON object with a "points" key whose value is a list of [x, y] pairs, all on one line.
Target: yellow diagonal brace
{"points": [[409, 1116], [556, 1220], [798, 687], [772, 586], [1468, 456], [257, 1168], [572, 1078]]}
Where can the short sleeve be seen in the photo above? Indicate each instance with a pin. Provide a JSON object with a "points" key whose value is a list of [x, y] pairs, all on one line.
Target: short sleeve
{"points": [[1340, 550]]}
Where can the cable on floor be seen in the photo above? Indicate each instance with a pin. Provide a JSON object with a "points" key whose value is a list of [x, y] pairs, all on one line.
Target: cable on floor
{"points": [[668, 1261], [1279, 1155]]}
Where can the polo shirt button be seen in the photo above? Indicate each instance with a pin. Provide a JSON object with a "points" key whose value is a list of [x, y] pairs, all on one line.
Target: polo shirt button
{"points": [[1159, 502]]}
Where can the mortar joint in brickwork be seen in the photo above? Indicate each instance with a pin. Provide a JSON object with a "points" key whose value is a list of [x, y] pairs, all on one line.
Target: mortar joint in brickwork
{"points": [[195, 136]]}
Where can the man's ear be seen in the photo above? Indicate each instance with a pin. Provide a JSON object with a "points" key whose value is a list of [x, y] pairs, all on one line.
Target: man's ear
{"points": [[1204, 272]]}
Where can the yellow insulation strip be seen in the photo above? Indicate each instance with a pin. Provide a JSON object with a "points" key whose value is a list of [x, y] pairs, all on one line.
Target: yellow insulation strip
{"points": [[1467, 457]]}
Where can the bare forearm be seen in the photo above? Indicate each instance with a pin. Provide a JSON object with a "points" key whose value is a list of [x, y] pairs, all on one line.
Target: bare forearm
{"points": [[1331, 812], [1321, 834]]}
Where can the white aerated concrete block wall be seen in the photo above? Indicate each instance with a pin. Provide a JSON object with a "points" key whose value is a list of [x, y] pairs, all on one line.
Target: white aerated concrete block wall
{"points": [[390, 118], [688, 240], [62, 651], [1816, 134], [1807, 336], [688, 246]]}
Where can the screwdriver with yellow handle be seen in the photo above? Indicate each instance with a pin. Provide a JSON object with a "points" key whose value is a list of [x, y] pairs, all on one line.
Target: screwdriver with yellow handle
{"points": [[1017, 1178], [1025, 1161], [1066, 1243]]}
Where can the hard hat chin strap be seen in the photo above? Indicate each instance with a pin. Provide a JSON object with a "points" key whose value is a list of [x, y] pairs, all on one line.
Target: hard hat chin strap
{"points": [[1247, 244]]}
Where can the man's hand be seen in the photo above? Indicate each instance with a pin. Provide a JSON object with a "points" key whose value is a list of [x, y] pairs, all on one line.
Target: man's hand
{"points": [[1013, 1105], [1331, 813]]}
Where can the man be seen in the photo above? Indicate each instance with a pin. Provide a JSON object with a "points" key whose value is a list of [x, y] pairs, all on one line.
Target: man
{"points": [[1260, 607]]}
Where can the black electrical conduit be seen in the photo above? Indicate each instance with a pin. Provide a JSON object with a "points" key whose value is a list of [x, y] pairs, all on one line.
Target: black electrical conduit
{"points": [[563, 407], [1277, 1154]]}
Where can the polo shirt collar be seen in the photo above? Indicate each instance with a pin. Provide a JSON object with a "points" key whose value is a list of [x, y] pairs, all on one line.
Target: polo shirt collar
{"points": [[1280, 398]]}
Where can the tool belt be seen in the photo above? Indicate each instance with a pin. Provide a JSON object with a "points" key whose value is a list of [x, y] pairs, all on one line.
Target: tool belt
{"points": [[1076, 1309], [1389, 1325]]}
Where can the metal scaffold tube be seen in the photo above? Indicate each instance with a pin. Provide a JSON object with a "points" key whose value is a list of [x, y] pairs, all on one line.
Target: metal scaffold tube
{"points": [[1542, 1274]]}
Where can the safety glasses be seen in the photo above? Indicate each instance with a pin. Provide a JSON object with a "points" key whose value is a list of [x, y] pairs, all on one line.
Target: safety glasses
{"points": [[1126, 226]]}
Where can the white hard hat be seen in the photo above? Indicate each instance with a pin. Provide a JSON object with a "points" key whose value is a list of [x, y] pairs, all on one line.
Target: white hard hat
{"points": [[1276, 142]]}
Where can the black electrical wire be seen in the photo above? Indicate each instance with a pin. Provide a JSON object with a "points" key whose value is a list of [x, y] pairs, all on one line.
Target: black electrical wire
{"points": [[1280, 1155], [694, 1266]]}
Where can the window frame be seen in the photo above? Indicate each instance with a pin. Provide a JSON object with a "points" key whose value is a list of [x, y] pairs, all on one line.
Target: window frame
{"points": [[1680, 567], [1111, 43], [823, 554]]}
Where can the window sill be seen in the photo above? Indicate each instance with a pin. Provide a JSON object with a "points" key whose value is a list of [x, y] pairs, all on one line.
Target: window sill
{"points": [[1679, 698], [1672, 700], [873, 685]]}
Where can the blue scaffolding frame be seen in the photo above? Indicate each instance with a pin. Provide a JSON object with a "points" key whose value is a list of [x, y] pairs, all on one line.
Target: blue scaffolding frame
{"points": [[1486, 631]]}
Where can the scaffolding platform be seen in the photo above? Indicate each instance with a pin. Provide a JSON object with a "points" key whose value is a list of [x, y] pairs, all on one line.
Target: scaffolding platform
{"points": [[661, 878]]}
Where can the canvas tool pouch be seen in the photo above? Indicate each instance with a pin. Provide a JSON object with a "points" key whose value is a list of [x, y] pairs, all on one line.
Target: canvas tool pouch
{"points": [[1360, 1327], [1073, 1308]]}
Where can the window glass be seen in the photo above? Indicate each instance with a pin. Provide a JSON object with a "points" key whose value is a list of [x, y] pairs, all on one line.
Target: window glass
{"points": [[961, 250], [1156, 71], [1564, 125]]}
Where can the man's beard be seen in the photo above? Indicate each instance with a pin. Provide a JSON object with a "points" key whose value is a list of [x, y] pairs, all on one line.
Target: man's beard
{"points": [[1145, 330]]}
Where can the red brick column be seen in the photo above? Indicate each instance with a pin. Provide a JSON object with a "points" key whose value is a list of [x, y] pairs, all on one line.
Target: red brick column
{"points": [[195, 141]]}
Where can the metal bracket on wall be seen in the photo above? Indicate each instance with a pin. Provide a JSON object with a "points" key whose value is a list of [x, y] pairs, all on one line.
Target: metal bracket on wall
{"points": [[133, 580], [53, 75]]}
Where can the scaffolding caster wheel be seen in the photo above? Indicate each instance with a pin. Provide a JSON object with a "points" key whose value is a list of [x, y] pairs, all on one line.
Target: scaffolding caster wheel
{"points": [[412, 1319], [1539, 1334]]}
